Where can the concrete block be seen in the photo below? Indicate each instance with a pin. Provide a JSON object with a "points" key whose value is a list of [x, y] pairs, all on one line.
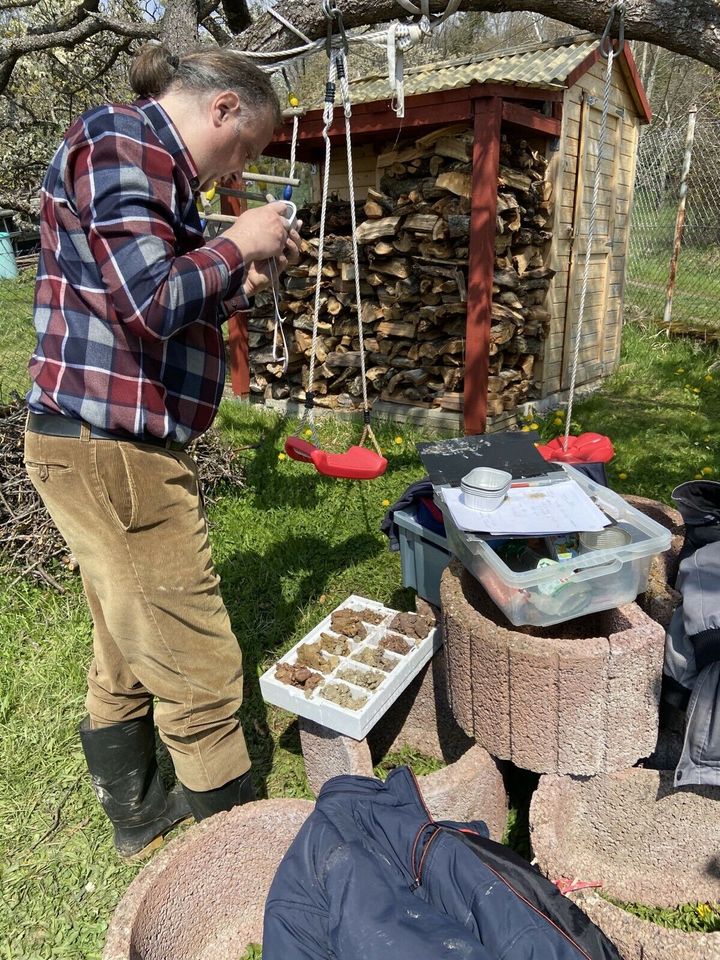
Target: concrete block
{"points": [[203, 896], [577, 698], [660, 598], [329, 754], [640, 940], [631, 831]]}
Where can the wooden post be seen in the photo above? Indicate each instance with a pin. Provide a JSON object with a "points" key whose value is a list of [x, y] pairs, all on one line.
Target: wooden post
{"points": [[680, 218], [481, 261], [238, 350]]}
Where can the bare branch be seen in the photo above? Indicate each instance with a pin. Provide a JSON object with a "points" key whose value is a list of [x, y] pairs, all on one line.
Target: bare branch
{"points": [[68, 20], [217, 31]]}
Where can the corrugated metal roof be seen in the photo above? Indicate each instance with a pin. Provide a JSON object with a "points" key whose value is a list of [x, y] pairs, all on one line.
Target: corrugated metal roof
{"points": [[545, 65]]}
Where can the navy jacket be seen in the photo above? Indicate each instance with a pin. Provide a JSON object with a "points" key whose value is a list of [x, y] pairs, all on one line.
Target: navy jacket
{"points": [[371, 876]]}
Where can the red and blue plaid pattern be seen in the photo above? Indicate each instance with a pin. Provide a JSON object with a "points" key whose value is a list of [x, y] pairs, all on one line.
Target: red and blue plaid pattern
{"points": [[130, 298]]}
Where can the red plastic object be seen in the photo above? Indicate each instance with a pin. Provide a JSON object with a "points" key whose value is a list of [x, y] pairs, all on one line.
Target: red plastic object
{"points": [[357, 463], [587, 448], [299, 449]]}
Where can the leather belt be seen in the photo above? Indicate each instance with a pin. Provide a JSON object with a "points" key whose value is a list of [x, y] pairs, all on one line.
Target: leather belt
{"points": [[55, 425]]}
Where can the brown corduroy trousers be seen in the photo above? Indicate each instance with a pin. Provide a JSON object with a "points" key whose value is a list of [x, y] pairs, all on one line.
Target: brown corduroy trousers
{"points": [[132, 515]]}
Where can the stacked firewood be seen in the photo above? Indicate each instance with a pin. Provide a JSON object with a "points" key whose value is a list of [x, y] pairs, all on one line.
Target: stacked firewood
{"points": [[414, 240]]}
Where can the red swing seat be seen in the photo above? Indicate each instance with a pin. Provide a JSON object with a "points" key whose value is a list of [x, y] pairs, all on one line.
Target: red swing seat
{"points": [[357, 463]]}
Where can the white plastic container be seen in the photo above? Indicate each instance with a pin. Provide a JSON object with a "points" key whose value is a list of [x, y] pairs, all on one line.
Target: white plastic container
{"points": [[485, 488], [352, 723], [556, 592]]}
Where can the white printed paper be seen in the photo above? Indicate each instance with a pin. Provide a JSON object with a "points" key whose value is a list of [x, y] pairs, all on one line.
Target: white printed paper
{"points": [[536, 510]]}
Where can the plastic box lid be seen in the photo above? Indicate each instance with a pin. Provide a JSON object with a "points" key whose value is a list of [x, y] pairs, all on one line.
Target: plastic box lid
{"points": [[649, 539]]}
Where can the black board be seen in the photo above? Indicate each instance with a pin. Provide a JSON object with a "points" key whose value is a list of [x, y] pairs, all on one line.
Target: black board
{"points": [[447, 461]]}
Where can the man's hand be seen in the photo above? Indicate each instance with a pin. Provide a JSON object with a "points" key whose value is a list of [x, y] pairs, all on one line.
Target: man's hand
{"points": [[258, 275], [262, 232]]}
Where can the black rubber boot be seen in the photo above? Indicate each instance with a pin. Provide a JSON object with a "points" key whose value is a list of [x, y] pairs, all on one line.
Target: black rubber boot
{"points": [[123, 766], [205, 803]]}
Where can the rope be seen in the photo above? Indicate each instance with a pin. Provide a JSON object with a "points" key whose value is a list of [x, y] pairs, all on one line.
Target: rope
{"points": [[290, 26], [590, 239], [341, 69], [328, 112]]}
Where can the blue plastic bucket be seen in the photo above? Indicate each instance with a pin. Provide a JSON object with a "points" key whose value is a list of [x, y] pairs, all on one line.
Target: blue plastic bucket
{"points": [[8, 265]]}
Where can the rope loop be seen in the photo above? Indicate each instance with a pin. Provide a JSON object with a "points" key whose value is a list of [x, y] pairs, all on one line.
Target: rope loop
{"points": [[606, 43]]}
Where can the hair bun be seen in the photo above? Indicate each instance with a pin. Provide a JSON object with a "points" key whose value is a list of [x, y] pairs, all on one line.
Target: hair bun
{"points": [[173, 61]]}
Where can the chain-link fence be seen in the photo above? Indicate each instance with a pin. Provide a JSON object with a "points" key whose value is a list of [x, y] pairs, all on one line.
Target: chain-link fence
{"points": [[696, 294]]}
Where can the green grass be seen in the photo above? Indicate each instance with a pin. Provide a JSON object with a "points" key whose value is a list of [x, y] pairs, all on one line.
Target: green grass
{"points": [[689, 917], [660, 410], [697, 291], [17, 335], [289, 547]]}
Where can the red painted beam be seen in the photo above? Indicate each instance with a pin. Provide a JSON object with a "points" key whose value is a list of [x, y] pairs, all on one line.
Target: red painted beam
{"points": [[530, 119], [481, 261], [637, 91], [238, 349]]}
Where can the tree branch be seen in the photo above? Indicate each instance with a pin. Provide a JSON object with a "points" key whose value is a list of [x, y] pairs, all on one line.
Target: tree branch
{"points": [[68, 20], [691, 28]]}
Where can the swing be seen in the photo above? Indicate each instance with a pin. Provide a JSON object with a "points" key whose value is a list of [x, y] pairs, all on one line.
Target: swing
{"points": [[358, 462]]}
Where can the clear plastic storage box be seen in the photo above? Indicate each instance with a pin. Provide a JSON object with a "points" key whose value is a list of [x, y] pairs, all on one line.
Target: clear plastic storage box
{"points": [[592, 581], [368, 705], [424, 555]]}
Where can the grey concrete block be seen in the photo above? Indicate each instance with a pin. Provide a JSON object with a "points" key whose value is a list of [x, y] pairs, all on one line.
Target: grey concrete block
{"points": [[640, 940], [579, 698], [203, 896], [631, 831], [660, 598]]}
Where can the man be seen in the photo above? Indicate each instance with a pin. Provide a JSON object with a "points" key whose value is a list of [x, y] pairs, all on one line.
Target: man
{"points": [[128, 369]]}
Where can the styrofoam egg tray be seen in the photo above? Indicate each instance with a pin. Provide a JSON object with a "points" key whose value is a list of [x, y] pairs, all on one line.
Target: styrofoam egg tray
{"points": [[391, 674]]}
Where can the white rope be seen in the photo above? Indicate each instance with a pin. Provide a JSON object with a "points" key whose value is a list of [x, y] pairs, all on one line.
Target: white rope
{"points": [[590, 239], [347, 109], [328, 112], [293, 145], [278, 328]]}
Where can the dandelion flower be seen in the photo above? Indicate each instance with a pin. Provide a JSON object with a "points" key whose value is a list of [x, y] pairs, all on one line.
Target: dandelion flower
{"points": [[281, 456], [398, 440], [308, 433], [698, 476], [704, 911], [386, 503], [623, 476], [696, 389], [534, 426], [708, 379], [680, 370], [525, 429], [707, 471], [558, 422]]}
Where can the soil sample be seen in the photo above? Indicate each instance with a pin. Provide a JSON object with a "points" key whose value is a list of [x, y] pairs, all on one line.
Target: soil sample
{"points": [[370, 679], [412, 625], [297, 676], [343, 696], [396, 643], [349, 623], [373, 617], [375, 657], [313, 655], [337, 646]]}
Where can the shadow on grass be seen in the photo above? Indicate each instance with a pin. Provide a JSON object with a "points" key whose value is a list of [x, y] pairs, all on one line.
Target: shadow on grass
{"points": [[265, 615]]}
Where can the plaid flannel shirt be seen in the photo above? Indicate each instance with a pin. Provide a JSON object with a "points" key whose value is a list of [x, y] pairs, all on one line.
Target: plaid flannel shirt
{"points": [[130, 299]]}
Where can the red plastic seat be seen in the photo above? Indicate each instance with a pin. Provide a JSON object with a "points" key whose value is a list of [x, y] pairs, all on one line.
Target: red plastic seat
{"points": [[300, 449], [357, 463]]}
